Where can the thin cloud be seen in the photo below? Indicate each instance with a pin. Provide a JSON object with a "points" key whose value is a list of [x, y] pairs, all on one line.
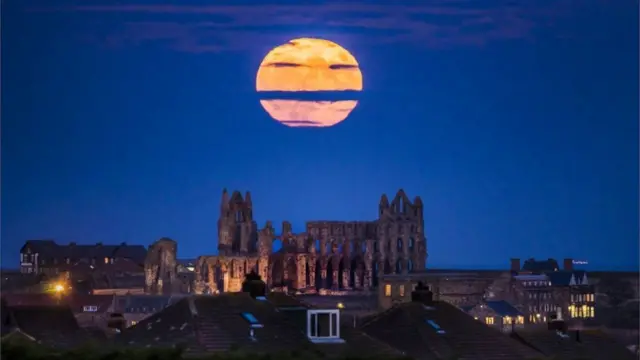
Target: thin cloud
{"points": [[217, 28]]}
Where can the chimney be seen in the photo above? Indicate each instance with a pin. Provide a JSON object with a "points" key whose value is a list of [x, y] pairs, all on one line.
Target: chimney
{"points": [[515, 265], [568, 264], [422, 294]]}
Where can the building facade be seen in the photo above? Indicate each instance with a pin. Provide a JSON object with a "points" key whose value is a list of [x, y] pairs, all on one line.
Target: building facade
{"points": [[329, 255]]}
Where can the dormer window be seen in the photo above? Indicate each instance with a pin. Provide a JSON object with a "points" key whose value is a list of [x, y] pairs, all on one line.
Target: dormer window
{"points": [[323, 326]]}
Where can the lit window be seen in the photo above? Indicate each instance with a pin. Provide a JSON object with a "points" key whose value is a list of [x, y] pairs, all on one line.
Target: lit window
{"points": [[591, 312], [133, 323], [387, 290], [106, 260], [401, 290], [507, 320], [520, 320], [251, 320], [489, 320]]}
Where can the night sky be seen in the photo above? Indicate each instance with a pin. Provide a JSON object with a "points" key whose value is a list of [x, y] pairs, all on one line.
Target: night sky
{"points": [[516, 124]]}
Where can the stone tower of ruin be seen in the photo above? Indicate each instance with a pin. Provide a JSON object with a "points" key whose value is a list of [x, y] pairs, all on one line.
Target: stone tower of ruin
{"points": [[237, 231]]}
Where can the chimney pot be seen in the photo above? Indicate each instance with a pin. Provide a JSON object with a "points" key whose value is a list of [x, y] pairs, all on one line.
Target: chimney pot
{"points": [[568, 264], [422, 294], [515, 265]]}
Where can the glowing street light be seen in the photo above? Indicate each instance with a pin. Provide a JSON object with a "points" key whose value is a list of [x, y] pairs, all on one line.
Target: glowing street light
{"points": [[59, 288], [340, 305]]}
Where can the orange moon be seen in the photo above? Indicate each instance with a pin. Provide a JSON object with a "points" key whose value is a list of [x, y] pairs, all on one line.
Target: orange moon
{"points": [[308, 66]]}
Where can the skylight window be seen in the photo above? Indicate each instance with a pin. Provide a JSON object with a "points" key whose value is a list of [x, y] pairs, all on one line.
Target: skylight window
{"points": [[435, 326], [252, 320]]}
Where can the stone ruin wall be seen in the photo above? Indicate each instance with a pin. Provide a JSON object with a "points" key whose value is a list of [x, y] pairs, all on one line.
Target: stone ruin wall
{"points": [[329, 255]]}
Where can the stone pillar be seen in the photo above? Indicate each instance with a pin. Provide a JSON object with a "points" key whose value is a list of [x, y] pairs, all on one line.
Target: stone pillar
{"points": [[159, 287], [323, 276], [263, 268], [285, 271], [301, 267], [346, 278], [357, 276], [312, 272], [213, 285], [368, 275], [225, 280]]}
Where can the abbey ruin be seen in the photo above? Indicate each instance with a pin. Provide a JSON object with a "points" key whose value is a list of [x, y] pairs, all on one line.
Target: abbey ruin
{"points": [[328, 255]]}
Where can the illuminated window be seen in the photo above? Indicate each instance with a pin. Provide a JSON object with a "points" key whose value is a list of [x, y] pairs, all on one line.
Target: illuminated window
{"points": [[133, 322], [592, 312], [507, 320], [106, 260], [401, 290], [387, 290], [520, 320], [489, 320]]}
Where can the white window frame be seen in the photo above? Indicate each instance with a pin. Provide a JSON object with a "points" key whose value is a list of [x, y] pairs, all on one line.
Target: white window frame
{"points": [[332, 338]]}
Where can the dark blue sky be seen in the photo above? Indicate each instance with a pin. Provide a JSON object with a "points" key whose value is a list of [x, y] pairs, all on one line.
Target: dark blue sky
{"points": [[518, 125]]}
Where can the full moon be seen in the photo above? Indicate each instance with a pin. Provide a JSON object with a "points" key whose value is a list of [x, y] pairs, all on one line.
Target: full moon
{"points": [[304, 67]]}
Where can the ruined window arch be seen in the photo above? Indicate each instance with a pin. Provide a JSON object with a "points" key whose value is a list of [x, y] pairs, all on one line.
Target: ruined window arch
{"points": [[399, 244], [375, 246], [351, 246], [399, 266], [409, 265], [412, 243], [401, 205]]}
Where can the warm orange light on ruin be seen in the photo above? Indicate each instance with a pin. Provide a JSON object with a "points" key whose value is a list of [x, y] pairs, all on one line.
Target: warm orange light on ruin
{"points": [[309, 65]]}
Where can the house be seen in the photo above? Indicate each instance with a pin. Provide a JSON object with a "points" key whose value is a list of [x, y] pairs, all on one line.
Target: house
{"points": [[49, 257], [135, 307], [215, 323], [428, 329], [499, 314], [90, 311], [51, 325]]}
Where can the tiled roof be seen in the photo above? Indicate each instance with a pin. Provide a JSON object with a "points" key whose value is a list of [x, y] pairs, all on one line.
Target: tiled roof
{"points": [[143, 303], [563, 278], [357, 343], [407, 327], [50, 249], [503, 308], [214, 323], [30, 299], [592, 345], [77, 302], [51, 325]]}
